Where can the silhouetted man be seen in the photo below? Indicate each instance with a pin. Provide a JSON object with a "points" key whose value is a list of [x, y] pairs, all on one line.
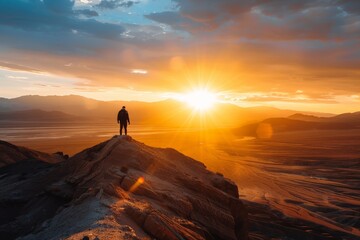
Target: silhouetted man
{"points": [[123, 119]]}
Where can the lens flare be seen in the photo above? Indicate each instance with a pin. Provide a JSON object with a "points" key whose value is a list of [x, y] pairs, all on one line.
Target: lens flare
{"points": [[138, 182]]}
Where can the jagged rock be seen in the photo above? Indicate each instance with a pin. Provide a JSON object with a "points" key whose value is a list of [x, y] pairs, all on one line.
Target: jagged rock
{"points": [[137, 214], [225, 185], [123, 189], [179, 205], [160, 226], [164, 228], [62, 155]]}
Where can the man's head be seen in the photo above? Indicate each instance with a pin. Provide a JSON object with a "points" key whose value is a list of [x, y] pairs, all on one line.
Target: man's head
{"points": [[123, 107]]}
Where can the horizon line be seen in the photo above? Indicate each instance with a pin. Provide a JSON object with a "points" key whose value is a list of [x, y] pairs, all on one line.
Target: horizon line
{"points": [[173, 99]]}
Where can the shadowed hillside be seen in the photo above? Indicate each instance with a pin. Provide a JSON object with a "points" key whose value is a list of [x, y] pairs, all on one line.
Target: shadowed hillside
{"points": [[300, 122], [341, 118], [10, 154]]}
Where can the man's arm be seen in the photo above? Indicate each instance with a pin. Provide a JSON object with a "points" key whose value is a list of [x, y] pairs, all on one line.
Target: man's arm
{"points": [[118, 117], [127, 116]]}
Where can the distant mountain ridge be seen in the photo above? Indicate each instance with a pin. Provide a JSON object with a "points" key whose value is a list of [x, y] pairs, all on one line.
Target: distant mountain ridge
{"points": [[301, 122], [304, 117], [163, 113], [345, 117], [38, 115]]}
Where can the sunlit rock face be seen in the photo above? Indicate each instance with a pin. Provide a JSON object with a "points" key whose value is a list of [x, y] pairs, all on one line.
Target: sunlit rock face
{"points": [[122, 189]]}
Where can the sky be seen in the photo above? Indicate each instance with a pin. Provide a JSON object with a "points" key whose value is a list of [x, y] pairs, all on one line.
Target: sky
{"points": [[302, 55]]}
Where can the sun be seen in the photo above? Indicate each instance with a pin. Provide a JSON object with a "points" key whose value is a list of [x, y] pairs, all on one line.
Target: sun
{"points": [[200, 100]]}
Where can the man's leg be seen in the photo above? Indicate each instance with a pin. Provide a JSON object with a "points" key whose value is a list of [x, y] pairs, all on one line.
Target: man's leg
{"points": [[121, 127], [125, 127]]}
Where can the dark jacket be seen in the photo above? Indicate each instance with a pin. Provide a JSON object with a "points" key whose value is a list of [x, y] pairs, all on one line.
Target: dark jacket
{"points": [[123, 116]]}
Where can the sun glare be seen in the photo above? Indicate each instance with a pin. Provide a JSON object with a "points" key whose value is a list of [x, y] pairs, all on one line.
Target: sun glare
{"points": [[200, 99]]}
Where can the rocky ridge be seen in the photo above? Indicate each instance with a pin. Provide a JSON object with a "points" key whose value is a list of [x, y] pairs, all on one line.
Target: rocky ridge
{"points": [[120, 189], [10, 154]]}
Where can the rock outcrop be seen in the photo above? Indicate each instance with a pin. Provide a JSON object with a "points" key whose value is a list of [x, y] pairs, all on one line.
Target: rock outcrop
{"points": [[120, 189], [10, 154]]}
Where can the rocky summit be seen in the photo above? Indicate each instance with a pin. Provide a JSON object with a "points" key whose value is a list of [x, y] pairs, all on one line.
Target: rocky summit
{"points": [[118, 189]]}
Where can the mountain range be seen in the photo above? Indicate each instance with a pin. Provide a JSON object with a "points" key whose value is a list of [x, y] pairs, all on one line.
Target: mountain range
{"points": [[300, 122], [163, 113]]}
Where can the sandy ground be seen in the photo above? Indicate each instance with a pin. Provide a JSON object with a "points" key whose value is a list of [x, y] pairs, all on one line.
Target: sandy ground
{"points": [[300, 185]]}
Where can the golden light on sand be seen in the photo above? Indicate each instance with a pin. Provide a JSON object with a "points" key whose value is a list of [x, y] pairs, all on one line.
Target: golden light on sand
{"points": [[200, 100]]}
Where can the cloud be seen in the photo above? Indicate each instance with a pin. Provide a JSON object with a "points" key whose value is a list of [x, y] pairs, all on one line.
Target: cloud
{"points": [[85, 1], [288, 97], [53, 16], [248, 45], [139, 71], [17, 77], [16, 67], [350, 6], [59, 6], [87, 12], [257, 19], [175, 20], [112, 4]]}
